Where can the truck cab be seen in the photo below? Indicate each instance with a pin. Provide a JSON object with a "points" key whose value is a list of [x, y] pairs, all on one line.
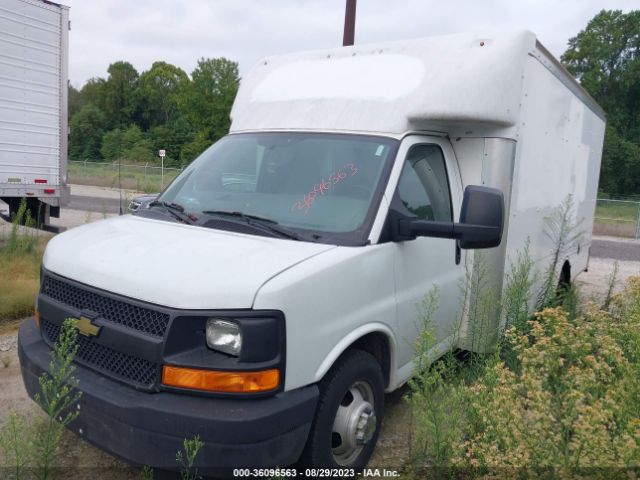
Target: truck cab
{"points": [[269, 297]]}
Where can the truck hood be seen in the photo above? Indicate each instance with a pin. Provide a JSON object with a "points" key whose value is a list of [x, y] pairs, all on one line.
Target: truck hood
{"points": [[172, 264]]}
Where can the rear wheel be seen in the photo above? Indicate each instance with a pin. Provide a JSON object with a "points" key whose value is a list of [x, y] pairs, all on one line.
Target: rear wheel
{"points": [[564, 281], [349, 414], [35, 210], [38, 211]]}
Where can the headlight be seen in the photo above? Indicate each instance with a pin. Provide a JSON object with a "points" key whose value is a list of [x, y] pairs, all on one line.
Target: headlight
{"points": [[224, 336]]}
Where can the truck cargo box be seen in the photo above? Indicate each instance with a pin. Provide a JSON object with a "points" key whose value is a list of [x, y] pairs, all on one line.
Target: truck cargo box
{"points": [[33, 104]]}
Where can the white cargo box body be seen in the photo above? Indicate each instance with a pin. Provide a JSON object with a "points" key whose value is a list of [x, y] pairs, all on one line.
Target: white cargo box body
{"points": [[33, 99], [515, 118]]}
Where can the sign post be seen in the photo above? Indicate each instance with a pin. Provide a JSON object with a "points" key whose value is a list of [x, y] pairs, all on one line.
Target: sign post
{"points": [[162, 153]]}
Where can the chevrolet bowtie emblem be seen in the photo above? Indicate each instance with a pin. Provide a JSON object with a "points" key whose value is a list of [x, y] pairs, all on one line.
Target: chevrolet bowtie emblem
{"points": [[85, 327]]}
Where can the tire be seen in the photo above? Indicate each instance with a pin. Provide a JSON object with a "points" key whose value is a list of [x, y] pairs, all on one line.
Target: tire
{"points": [[564, 283], [38, 212], [349, 414]]}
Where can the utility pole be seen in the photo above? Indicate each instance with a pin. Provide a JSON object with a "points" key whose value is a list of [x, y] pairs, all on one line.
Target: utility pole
{"points": [[349, 23]]}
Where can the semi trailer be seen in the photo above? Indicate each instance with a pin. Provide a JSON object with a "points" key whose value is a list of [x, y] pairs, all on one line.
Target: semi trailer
{"points": [[34, 50]]}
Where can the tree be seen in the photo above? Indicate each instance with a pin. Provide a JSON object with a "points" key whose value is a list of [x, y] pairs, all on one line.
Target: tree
{"points": [[195, 147], [208, 99], [119, 93], [130, 116], [157, 93], [86, 131], [93, 92], [172, 138], [75, 101], [619, 155], [130, 145], [136, 147], [605, 58], [111, 148]]}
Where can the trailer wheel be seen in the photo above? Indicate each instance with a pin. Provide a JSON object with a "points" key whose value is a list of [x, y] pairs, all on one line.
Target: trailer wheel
{"points": [[38, 211], [349, 413], [564, 282]]}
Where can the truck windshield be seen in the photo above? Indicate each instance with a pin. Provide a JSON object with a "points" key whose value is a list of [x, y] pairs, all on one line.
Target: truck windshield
{"points": [[323, 187]]}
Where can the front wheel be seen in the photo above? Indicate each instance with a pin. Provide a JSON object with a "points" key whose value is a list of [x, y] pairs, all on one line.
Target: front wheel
{"points": [[349, 414]]}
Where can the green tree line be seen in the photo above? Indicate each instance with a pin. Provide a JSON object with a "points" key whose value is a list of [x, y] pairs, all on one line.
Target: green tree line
{"points": [[605, 58], [131, 116]]}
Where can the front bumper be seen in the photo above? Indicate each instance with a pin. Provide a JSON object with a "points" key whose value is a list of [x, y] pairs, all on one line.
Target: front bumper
{"points": [[149, 428]]}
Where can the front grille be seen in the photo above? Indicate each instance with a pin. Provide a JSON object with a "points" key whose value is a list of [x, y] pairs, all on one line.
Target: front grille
{"points": [[139, 318], [121, 366]]}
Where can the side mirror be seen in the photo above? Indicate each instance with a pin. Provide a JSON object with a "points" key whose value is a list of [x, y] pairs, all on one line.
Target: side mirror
{"points": [[481, 217], [480, 226]]}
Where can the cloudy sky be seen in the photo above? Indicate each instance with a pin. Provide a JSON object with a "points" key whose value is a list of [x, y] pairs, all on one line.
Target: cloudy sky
{"points": [[181, 31]]}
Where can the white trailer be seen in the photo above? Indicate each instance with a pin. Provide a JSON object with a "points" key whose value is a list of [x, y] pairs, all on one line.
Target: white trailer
{"points": [[353, 181], [33, 106]]}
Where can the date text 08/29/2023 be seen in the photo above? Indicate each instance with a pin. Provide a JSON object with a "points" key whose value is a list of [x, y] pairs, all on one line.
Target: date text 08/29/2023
{"points": [[315, 473]]}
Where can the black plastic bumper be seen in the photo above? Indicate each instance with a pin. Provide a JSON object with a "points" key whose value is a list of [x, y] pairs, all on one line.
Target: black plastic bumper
{"points": [[149, 428]]}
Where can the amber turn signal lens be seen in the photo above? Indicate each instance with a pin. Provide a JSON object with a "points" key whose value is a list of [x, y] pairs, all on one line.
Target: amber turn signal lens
{"points": [[36, 317], [216, 381]]}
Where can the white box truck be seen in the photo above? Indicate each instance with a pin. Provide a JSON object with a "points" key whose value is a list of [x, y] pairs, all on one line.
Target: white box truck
{"points": [[33, 106], [269, 297]]}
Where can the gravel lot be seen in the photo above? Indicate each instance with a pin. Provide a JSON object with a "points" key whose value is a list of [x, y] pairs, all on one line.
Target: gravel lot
{"points": [[392, 446]]}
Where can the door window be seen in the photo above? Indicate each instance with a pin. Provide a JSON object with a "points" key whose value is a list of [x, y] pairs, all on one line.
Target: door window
{"points": [[424, 186]]}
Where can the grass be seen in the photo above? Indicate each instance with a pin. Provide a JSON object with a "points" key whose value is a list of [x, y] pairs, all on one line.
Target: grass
{"points": [[132, 178], [18, 285], [20, 255], [610, 211], [616, 218]]}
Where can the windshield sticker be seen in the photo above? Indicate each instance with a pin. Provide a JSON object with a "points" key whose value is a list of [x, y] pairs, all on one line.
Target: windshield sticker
{"points": [[379, 150], [348, 170]]}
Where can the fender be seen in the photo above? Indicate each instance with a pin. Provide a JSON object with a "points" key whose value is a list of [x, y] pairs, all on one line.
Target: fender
{"points": [[350, 339]]}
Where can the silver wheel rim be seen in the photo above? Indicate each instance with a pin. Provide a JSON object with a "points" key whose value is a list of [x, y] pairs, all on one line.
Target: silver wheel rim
{"points": [[355, 423]]}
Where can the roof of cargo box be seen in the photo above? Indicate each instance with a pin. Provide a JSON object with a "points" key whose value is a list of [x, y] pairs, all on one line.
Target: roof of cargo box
{"points": [[445, 81]]}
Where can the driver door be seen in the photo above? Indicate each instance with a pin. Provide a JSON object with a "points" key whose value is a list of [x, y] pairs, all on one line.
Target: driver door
{"points": [[429, 186]]}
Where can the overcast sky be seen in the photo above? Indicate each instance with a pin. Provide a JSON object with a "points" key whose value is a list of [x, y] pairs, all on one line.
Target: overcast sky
{"points": [[182, 31]]}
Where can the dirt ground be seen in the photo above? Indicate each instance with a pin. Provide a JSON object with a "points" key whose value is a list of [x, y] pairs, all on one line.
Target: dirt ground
{"points": [[80, 460]]}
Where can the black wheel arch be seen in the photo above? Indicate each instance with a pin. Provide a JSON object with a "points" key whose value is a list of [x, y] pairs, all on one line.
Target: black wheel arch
{"points": [[376, 344]]}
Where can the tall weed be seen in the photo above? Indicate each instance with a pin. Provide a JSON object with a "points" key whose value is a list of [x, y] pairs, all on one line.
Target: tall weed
{"points": [[29, 447], [17, 446], [433, 399], [187, 456], [21, 240], [480, 305], [563, 229], [516, 296], [57, 396]]}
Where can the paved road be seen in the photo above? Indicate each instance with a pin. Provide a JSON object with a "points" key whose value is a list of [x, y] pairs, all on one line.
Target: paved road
{"points": [[94, 204], [617, 250]]}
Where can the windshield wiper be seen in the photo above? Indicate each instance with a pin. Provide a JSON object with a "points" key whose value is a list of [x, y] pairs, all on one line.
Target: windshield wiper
{"points": [[174, 209], [257, 221]]}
